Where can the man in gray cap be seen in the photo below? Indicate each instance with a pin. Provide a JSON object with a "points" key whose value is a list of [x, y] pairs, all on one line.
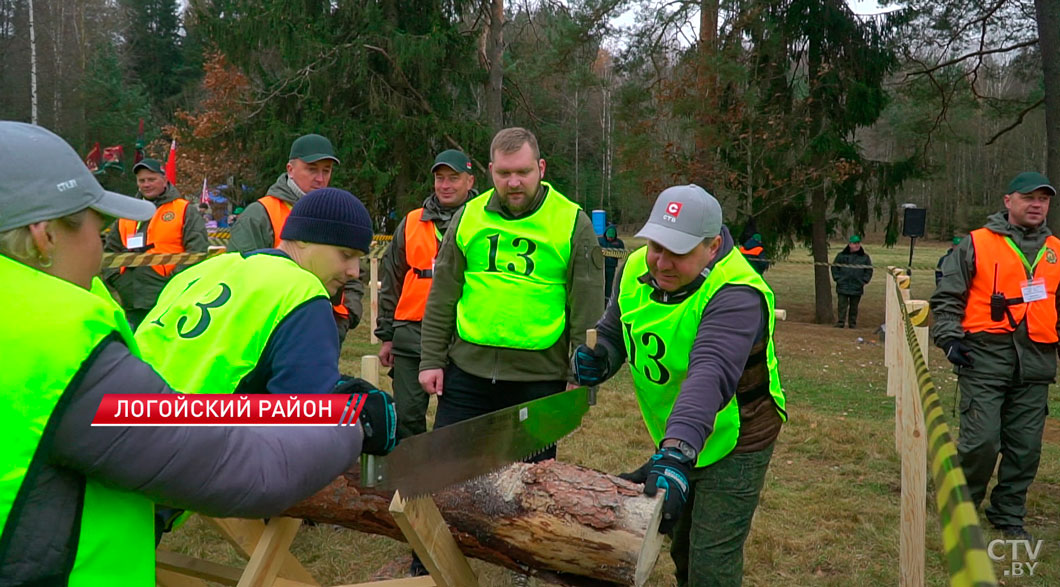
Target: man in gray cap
{"points": [[996, 320], [407, 270], [709, 391], [309, 168], [176, 227]]}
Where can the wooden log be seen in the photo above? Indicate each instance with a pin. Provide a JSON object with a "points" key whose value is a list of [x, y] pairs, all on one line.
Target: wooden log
{"points": [[566, 524]]}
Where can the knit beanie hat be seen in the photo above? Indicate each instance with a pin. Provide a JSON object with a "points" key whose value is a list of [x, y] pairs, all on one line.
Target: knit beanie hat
{"points": [[330, 216]]}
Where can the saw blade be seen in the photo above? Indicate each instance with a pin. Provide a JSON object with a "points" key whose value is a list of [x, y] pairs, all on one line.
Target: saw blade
{"points": [[464, 450]]}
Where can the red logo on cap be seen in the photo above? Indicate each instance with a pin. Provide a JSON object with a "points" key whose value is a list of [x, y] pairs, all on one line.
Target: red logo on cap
{"points": [[673, 209]]}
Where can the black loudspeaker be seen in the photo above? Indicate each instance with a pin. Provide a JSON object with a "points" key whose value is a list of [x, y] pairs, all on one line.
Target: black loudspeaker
{"points": [[915, 219]]}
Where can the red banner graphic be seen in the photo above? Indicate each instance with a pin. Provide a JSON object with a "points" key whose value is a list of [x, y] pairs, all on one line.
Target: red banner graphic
{"points": [[145, 409]]}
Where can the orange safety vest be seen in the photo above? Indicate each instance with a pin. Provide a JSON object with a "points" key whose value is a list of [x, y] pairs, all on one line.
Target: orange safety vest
{"points": [[278, 211], [753, 251], [421, 247], [996, 259], [165, 231]]}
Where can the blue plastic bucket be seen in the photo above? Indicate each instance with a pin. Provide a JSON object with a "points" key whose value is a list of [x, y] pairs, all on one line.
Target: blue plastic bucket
{"points": [[599, 222]]}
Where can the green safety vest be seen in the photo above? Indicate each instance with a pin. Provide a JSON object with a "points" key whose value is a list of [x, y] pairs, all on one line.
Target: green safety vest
{"points": [[515, 284], [46, 354], [213, 320], [658, 339]]}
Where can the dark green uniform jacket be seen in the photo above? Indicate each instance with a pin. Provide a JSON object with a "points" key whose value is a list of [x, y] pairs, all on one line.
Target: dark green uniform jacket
{"points": [[850, 281], [585, 302], [996, 356], [139, 287], [394, 265]]}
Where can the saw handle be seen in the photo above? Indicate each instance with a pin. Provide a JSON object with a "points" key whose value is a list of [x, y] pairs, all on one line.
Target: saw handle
{"points": [[590, 341]]}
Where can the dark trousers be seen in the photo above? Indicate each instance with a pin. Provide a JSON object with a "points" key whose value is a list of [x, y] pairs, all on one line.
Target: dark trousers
{"points": [[1008, 419], [410, 400], [848, 302], [465, 396], [707, 543]]}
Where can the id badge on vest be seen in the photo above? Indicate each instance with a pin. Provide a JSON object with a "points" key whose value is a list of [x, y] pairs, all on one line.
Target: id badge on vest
{"points": [[1034, 290], [135, 241]]}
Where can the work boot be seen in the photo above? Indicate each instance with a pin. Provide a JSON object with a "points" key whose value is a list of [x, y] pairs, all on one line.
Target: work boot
{"points": [[519, 579], [838, 324], [852, 325], [1016, 533]]}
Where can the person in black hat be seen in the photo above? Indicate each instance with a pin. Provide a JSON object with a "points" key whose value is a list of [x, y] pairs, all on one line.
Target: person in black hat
{"points": [[996, 320], [84, 495], [176, 227], [274, 315], [309, 167]]}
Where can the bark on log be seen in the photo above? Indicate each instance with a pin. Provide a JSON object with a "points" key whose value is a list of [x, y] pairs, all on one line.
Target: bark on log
{"points": [[560, 522]]}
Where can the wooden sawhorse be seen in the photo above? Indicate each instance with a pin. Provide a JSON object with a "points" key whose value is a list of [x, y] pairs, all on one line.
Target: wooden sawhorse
{"points": [[271, 564]]}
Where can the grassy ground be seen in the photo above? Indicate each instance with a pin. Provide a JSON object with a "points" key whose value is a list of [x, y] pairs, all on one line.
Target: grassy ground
{"points": [[829, 514]]}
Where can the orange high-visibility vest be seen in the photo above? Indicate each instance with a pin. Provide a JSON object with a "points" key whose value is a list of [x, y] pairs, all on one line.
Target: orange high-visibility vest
{"points": [[421, 247], [165, 231], [278, 211], [752, 251], [994, 255]]}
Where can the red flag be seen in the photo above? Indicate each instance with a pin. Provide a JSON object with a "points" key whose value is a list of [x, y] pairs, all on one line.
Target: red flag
{"points": [[113, 156], [94, 158], [205, 197], [171, 163], [139, 143]]}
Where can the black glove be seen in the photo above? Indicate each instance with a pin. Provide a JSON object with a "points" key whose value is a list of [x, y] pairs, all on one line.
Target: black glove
{"points": [[667, 469], [590, 365], [640, 475], [957, 352], [378, 417]]}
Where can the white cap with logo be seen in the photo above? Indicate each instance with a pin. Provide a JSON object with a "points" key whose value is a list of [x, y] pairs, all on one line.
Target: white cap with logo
{"points": [[42, 178], [683, 216]]}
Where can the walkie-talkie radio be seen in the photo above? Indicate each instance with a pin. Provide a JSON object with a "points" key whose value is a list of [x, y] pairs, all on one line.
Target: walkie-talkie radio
{"points": [[998, 303]]}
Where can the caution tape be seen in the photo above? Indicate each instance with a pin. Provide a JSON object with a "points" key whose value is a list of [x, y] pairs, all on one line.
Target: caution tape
{"points": [[623, 253], [962, 536], [113, 260]]}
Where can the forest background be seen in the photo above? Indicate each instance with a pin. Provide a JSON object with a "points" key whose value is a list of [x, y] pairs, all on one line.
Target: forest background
{"points": [[808, 121]]}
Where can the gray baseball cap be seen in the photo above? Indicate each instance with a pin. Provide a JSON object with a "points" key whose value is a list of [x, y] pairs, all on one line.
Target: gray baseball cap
{"points": [[682, 217], [42, 178]]}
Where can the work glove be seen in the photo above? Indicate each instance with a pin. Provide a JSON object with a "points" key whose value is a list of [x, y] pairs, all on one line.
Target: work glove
{"points": [[957, 352], [640, 475], [667, 469], [590, 365], [378, 417]]}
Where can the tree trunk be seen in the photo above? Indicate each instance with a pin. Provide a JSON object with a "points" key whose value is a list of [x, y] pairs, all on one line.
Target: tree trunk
{"points": [[1048, 16], [567, 524], [708, 25], [822, 279], [495, 61]]}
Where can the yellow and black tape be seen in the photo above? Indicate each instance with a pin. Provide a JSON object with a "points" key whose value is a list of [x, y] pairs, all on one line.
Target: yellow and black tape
{"points": [[962, 536], [113, 260]]}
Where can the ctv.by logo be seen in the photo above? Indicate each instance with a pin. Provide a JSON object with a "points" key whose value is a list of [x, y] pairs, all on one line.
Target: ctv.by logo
{"points": [[1023, 559], [673, 210]]}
